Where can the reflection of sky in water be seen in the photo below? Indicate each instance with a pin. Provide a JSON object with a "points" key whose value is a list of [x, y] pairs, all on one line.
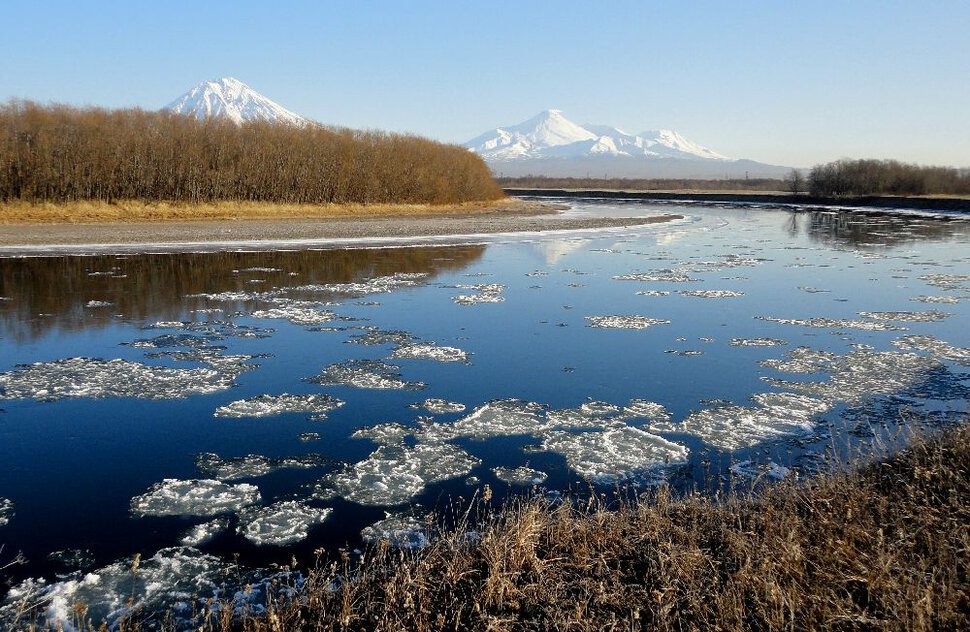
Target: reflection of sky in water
{"points": [[590, 395]]}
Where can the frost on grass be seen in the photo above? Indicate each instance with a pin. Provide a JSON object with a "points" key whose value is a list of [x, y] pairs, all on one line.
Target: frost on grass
{"points": [[306, 316], [253, 465], [485, 293], [935, 347], [429, 351], [711, 293], [830, 323], [624, 322], [616, 454], [930, 316], [776, 416], [440, 406], [371, 374], [757, 342], [317, 406], [400, 530], [193, 497], [177, 579], [204, 533], [802, 360], [97, 378], [6, 510], [392, 475], [280, 524], [525, 476]]}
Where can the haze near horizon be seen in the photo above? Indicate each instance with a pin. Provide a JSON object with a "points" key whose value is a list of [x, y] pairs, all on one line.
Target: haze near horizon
{"points": [[781, 84]]}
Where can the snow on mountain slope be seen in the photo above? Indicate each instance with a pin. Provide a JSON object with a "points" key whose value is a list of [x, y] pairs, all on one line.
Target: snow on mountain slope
{"points": [[232, 99], [551, 134]]}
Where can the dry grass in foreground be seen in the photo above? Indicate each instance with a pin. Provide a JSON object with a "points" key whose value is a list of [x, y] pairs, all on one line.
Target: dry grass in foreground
{"points": [[138, 211], [884, 547]]}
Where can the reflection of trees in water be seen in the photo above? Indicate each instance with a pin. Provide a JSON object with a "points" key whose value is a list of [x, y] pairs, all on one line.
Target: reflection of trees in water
{"points": [[867, 229], [47, 293]]}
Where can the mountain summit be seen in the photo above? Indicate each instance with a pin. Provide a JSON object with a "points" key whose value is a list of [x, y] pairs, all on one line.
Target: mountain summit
{"points": [[232, 99], [552, 145]]}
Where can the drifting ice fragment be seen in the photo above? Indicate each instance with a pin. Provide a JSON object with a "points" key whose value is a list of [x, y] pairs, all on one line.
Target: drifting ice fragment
{"points": [[281, 523], [750, 469], [384, 434], [525, 476], [381, 338], [268, 405], [487, 293], [91, 377], [440, 406], [948, 281], [429, 351], [203, 533], [624, 322], [935, 347], [951, 300], [653, 293], [498, 418], [757, 342], [931, 316], [644, 409], [711, 293], [615, 454], [661, 276], [802, 360], [377, 285], [392, 475], [6, 510], [829, 323], [372, 374], [194, 497], [253, 465], [297, 315], [402, 531]]}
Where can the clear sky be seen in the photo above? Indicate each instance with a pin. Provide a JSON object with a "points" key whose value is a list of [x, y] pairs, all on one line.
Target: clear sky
{"points": [[791, 83]]}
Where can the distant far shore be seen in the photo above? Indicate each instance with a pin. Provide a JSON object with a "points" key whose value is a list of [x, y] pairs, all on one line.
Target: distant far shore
{"points": [[254, 223], [919, 203]]}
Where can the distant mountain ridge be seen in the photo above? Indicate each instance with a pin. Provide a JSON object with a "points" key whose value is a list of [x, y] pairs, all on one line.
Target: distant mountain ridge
{"points": [[232, 99], [550, 144]]}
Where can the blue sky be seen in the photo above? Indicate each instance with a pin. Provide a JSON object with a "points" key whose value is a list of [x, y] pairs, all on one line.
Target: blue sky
{"points": [[792, 83]]}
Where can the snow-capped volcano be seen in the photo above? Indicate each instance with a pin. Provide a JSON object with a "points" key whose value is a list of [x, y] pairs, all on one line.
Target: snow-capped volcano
{"points": [[232, 99], [550, 144]]}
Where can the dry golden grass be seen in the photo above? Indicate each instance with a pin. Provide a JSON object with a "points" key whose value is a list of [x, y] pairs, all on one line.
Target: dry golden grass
{"points": [[139, 211]]}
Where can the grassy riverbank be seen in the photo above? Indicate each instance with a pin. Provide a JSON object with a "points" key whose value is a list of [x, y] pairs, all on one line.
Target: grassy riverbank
{"points": [[880, 547]]}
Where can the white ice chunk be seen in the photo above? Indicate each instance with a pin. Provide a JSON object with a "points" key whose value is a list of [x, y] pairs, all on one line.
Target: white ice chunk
{"points": [[402, 531], [253, 465], [6, 510], [624, 322], [830, 323], [525, 476], [750, 469], [193, 497], [615, 454], [934, 346], [268, 405], [440, 406], [281, 523], [429, 351], [802, 360], [757, 342], [371, 374], [203, 533], [930, 316], [498, 418], [306, 316], [711, 293]]}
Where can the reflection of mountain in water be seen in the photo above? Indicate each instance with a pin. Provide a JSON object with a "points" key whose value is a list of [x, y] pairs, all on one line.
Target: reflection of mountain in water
{"points": [[46, 293], [552, 250], [862, 230]]}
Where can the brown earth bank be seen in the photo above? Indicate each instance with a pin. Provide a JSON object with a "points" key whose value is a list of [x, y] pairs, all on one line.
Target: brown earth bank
{"points": [[151, 224], [922, 203]]}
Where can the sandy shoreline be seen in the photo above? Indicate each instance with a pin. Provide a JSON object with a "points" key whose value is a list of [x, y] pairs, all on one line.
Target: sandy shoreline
{"points": [[34, 237]]}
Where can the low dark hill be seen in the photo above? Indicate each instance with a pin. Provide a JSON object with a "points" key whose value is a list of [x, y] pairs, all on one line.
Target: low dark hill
{"points": [[64, 154]]}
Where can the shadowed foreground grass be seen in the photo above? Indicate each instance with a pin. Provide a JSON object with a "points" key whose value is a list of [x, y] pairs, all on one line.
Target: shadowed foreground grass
{"points": [[882, 547]]}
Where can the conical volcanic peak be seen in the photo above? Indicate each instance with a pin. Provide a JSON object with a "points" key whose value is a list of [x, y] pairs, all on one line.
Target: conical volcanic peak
{"points": [[232, 99]]}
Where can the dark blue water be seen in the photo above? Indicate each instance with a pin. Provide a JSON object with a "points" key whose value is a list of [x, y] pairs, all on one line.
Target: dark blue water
{"points": [[72, 466]]}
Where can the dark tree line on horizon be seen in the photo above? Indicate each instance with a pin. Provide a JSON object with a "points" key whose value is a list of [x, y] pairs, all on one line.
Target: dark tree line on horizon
{"points": [[885, 177], [58, 153]]}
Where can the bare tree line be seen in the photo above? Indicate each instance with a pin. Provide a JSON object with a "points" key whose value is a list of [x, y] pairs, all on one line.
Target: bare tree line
{"points": [[885, 177], [59, 153]]}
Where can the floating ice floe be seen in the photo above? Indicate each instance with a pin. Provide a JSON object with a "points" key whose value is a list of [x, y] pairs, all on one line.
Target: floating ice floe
{"points": [[309, 436], [615, 454], [94, 303], [812, 290], [212, 356], [401, 531], [380, 337], [858, 374], [830, 323], [624, 322], [645, 409], [777, 416], [176, 579], [384, 434], [429, 351], [802, 360], [934, 346], [377, 285], [711, 293], [306, 316], [193, 497], [750, 469], [947, 281], [498, 418], [165, 341], [660, 276], [757, 342], [253, 465], [949, 300], [486, 293], [6, 510], [931, 316], [392, 475], [236, 296], [281, 523], [653, 293], [440, 406], [203, 533], [268, 405], [259, 269], [525, 476], [372, 374], [97, 378]]}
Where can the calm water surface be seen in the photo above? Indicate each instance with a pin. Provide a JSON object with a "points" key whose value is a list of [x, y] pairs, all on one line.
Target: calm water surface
{"points": [[118, 371]]}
